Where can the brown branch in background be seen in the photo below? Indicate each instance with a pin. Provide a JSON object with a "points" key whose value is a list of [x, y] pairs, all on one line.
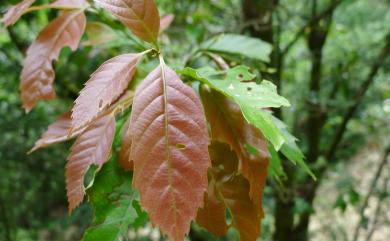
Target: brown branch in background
{"points": [[357, 100], [377, 211], [219, 61], [373, 185], [315, 18]]}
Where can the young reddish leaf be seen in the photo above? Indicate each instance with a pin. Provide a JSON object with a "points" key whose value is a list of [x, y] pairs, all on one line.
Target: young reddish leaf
{"points": [[38, 74], [229, 126], [140, 16], [93, 146], [106, 84], [213, 214], [170, 151], [165, 22], [68, 4], [124, 156], [57, 132], [234, 190], [15, 12]]}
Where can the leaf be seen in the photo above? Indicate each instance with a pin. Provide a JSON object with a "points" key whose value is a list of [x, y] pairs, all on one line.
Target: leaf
{"points": [[124, 158], [165, 22], [38, 74], [57, 132], [228, 126], [237, 84], [93, 146], [114, 204], [212, 215], [68, 4], [170, 151], [275, 168], [140, 16], [106, 84], [15, 12], [99, 33], [233, 190], [234, 44], [291, 150]]}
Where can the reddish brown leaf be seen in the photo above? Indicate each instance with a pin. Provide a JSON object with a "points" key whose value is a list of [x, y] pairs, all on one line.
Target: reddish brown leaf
{"points": [[165, 22], [68, 4], [15, 12], [233, 189], [38, 74], [105, 85], [93, 146], [124, 156], [229, 126], [213, 214], [170, 151], [57, 132], [140, 16]]}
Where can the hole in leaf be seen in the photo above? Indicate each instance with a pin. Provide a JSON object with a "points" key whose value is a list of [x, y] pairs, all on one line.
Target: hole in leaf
{"points": [[180, 146], [240, 76], [249, 88]]}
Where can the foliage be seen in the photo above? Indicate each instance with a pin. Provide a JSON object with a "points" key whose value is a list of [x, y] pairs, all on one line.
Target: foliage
{"points": [[177, 130]]}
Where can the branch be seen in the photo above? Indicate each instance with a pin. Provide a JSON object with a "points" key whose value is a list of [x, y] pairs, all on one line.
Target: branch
{"points": [[374, 182], [318, 17], [357, 100]]}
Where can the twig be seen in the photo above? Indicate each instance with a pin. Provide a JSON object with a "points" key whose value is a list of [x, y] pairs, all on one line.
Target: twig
{"points": [[302, 30], [357, 100], [377, 212], [374, 182]]}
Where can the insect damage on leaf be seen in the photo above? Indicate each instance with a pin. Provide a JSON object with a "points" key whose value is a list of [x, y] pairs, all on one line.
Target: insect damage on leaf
{"points": [[228, 125], [231, 191], [140, 16], [38, 74], [106, 84], [171, 180]]}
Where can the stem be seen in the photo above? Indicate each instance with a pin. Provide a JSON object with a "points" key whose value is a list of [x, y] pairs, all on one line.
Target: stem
{"points": [[357, 100], [374, 182]]}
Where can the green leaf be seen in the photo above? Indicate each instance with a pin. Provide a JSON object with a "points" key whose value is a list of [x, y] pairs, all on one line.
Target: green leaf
{"points": [[290, 149], [275, 167], [234, 44], [238, 84], [114, 203]]}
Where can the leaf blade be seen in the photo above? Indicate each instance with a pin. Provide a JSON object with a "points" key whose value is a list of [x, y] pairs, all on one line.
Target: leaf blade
{"points": [[167, 123], [93, 146], [38, 75], [140, 16], [15, 12], [106, 84]]}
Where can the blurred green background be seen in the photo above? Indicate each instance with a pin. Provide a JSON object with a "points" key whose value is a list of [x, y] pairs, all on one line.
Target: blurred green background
{"points": [[347, 41]]}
